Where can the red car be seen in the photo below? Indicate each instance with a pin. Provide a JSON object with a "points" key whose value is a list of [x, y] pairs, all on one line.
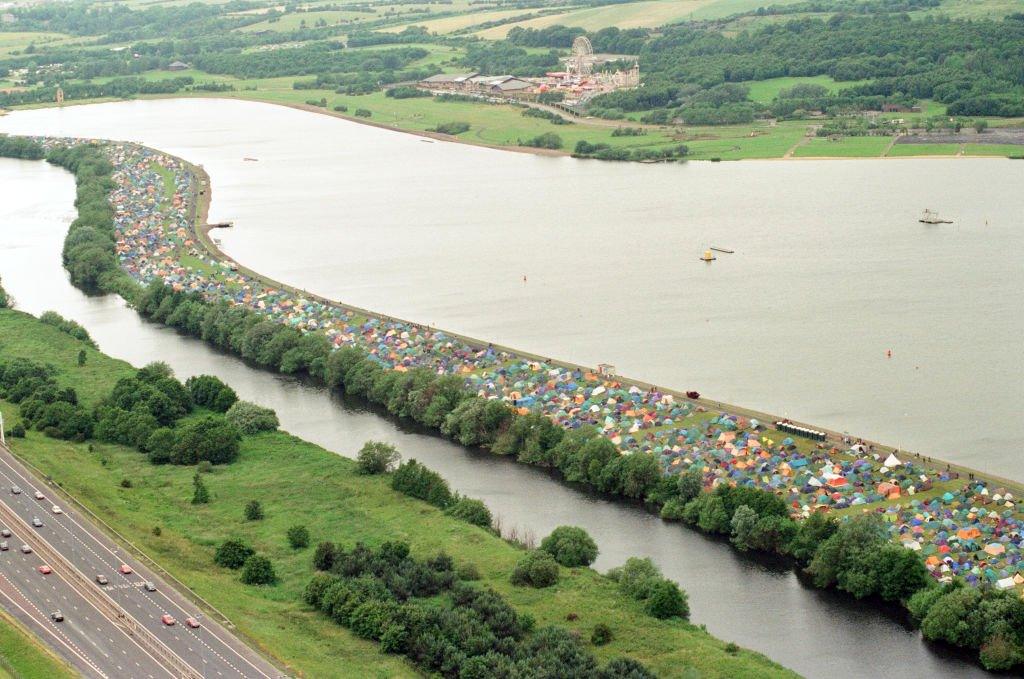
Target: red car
{"points": [[192, 622], [45, 570], [125, 569], [167, 619]]}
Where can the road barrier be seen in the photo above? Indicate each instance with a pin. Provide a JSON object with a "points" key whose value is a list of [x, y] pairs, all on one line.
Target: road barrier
{"points": [[100, 599]]}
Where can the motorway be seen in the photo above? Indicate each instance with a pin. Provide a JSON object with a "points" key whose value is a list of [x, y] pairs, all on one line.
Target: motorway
{"points": [[93, 642]]}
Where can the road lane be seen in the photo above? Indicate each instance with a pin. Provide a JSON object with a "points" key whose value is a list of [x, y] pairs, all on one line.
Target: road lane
{"points": [[92, 642], [210, 649]]}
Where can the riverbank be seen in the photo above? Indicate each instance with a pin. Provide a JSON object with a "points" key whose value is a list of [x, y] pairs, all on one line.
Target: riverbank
{"points": [[301, 483], [500, 126]]}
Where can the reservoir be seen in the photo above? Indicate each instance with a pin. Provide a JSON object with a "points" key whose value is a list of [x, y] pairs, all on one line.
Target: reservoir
{"points": [[831, 269], [755, 604]]}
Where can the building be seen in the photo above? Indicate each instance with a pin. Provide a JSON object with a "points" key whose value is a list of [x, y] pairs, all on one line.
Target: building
{"points": [[178, 66], [500, 84], [448, 81]]}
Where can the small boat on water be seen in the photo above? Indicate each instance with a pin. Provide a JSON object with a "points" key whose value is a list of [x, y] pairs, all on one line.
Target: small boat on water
{"points": [[707, 256], [728, 252], [930, 217], [251, 160]]}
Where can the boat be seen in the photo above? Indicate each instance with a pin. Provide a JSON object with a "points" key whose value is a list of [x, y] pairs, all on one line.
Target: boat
{"points": [[728, 252], [251, 160], [707, 256], [930, 217]]}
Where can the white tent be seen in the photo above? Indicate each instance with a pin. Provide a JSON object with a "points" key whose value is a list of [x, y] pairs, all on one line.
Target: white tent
{"points": [[892, 461]]}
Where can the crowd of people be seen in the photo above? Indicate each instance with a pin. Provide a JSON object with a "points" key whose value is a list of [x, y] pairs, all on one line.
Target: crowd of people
{"points": [[968, 530]]}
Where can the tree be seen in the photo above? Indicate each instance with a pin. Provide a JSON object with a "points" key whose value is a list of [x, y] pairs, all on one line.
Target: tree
{"points": [[323, 557], [980, 126], [232, 553], [471, 511], [209, 438], [81, 357], [159, 446], [250, 418], [258, 571], [691, 483], [253, 511], [570, 546], [210, 392], [744, 522], [298, 537], [713, 516], [536, 569], [200, 495], [377, 457], [811, 532], [636, 576], [667, 600]]}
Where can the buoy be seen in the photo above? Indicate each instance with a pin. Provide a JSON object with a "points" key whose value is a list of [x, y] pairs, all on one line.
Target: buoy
{"points": [[524, 278], [888, 353]]}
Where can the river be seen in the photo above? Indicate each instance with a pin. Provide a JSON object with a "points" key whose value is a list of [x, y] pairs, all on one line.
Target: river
{"points": [[831, 270], [756, 604]]}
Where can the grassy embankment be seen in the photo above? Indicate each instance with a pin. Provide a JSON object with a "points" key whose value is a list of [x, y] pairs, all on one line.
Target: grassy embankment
{"points": [[22, 656], [300, 483]]}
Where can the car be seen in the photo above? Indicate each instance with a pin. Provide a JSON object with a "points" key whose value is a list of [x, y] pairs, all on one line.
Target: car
{"points": [[150, 587], [102, 580], [25, 549], [39, 496], [45, 570], [15, 490], [37, 522], [57, 616], [192, 622], [57, 510], [5, 532], [4, 547], [125, 569], [167, 619]]}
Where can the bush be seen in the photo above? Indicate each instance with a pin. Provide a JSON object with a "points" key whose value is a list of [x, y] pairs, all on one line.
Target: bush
{"points": [[232, 554], [298, 537], [601, 635], [253, 511], [323, 557], [570, 546], [548, 140], [376, 457], [414, 479], [536, 569], [250, 418], [471, 511], [667, 600], [626, 668], [126, 483], [406, 92], [258, 571], [210, 438], [200, 495], [341, 108], [18, 430], [467, 571], [364, 113], [210, 392], [453, 128], [159, 445]]}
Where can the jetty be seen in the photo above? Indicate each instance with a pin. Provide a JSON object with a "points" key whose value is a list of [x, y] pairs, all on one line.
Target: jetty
{"points": [[930, 217]]}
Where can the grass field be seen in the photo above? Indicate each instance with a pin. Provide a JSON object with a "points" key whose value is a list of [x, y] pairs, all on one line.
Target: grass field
{"points": [[300, 483], [993, 150], [764, 91], [847, 147], [458, 22], [14, 41], [293, 21], [22, 656], [924, 150]]}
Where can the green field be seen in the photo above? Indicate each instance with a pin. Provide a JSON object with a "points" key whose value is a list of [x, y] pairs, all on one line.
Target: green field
{"points": [[22, 656], [300, 483], [295, 20], [993, 150], [924, 150], [847, 147], [764, 91]]}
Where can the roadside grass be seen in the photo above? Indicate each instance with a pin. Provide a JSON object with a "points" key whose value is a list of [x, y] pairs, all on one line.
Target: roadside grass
{"points": [[924, 150], [846, 147], [300, 483], [22, 656], [993, 150]]}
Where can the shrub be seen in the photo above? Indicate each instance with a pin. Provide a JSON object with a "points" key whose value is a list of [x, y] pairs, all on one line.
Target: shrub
{"points": [[536, 569], [364, 113], [471, 511], [126, 483], [253, 511], [601, 635], [298, 537], [200, 494], [258, 571], [453, 128], [667, 600], [635, 577], [157, 531], [210, 392], [626, 668], [18, 430], [341, 108], [414, 479], [323, 557], [1000, 654], [250, 418], [570, 546], [210, 438], [467, 571], [232, 553], [159, 446], [673, 510], [548, 140], [376, 457]]}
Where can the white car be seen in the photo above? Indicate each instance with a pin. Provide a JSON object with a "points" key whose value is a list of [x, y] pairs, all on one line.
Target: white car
{"points": [[57, 510], [39, 496], [25, 549]]}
